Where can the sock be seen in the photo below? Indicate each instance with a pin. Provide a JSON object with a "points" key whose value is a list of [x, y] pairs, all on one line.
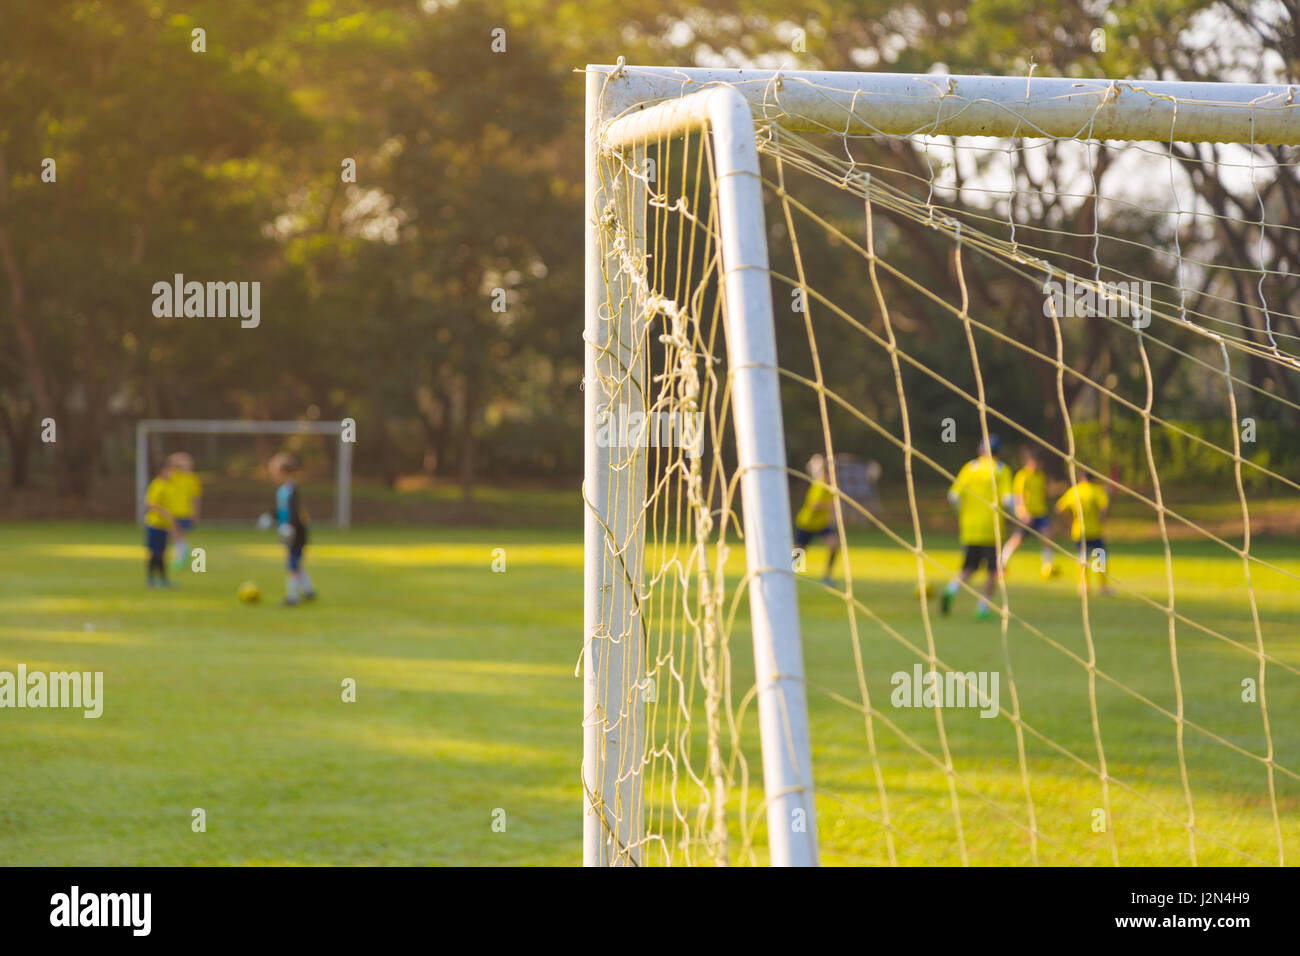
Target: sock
{"points": [[982, 606], [292, 587], [1047, 554], [952, 587], [306, 582]]}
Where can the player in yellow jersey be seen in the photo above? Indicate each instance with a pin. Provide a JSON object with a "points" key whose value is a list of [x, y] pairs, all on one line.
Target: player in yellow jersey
{"points": [[1087, 503], [816, 519], [981, 487], [1029, 489], [188, 492], [159, 518]]}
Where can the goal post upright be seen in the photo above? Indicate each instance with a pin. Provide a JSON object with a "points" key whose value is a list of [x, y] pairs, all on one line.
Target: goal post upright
{"points": [[141, 469], [613, 654], [343, 484], [760, 441]]}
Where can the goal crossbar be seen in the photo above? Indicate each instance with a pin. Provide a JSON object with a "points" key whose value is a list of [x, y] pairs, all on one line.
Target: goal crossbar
{"points": [[900, 104]]}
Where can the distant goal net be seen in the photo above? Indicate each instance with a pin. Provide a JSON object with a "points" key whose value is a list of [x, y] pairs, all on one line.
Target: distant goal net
{"points": [[828, 315], [230, 457]]}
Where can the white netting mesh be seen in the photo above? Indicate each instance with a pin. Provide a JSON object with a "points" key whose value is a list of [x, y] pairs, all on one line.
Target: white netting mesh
{"points": [[1124, 310]]}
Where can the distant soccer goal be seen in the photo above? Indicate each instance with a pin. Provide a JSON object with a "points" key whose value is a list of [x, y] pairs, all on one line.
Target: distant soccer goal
{"points": [[325, 446], [853, 284]]}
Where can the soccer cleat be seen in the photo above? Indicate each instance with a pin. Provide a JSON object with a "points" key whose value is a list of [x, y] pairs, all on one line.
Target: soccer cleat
{"points": [[945, 603], [983, 613], [1048, 571], [309, 596], [289, 602]]}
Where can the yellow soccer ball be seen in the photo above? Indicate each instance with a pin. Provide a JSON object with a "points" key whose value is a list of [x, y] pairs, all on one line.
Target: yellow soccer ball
{"points": [[249, 593]]}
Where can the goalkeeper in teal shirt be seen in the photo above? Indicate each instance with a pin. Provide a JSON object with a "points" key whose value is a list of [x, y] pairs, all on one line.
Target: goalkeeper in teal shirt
{"points": [[291, 520]]}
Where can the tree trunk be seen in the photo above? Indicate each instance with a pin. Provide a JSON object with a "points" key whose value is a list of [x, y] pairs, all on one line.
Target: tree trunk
{"points": [[18, 428], [387, 462], [27, 348], [77, 458], [467, 452]]}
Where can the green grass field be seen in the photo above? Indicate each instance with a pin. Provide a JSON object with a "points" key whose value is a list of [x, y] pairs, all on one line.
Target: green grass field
{"points": [[468, 704]]}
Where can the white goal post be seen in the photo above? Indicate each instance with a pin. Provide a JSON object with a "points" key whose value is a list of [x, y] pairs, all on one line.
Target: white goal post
{"points": [[628, 106], [192, 426]]}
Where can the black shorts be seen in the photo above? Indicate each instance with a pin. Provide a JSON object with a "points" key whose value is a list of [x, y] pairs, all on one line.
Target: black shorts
{"points": [[977, 554], [155, 539], [1086, 548], [803, 537]]}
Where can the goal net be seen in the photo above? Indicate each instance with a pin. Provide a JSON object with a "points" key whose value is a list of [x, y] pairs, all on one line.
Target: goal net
{"points": [[830, 318]]}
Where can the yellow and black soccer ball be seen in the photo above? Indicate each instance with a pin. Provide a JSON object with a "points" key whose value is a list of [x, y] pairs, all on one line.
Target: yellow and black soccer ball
{"points": [[249, 592]]}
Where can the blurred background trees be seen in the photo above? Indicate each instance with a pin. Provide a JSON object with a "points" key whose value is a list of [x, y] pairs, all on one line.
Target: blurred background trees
{"points": [[437, 299]]}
